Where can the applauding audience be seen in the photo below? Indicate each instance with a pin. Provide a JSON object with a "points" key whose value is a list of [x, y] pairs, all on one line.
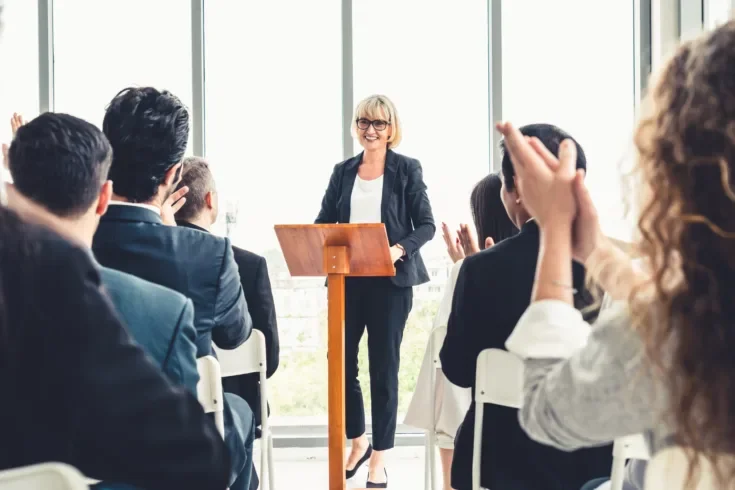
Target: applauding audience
{"points": [[661, 363], [493, 290]]}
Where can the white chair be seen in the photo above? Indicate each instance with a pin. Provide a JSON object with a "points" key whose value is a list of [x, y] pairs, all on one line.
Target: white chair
{"points": [[668, 470], [46, 476], [625, 448], [248, 358], [209, 390], [436, 340], [498, 380]]}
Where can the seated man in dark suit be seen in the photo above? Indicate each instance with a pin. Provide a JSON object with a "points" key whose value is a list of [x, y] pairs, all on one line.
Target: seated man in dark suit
{"points": [[148, 131], [200, 213], [492, 292], [61, 162]]}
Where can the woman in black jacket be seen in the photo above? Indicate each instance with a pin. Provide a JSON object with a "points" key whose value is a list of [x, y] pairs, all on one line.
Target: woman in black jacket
{"points": [[379, 186]]}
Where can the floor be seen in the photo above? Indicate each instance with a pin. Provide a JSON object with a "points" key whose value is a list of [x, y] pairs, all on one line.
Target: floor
{"points": [[306, 468]]}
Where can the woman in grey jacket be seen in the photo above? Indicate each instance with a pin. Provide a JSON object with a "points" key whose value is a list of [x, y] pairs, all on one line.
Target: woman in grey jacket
{"points": [[661, 361]]}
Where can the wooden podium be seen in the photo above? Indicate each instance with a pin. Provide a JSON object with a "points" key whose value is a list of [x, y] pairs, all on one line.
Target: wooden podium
{"points": [[336, 251]]}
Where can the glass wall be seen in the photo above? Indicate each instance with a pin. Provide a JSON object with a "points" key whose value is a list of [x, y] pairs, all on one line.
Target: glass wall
{"points": [[19, 54], [431, 59], [562, 64], [136, 43], [274, 133]]}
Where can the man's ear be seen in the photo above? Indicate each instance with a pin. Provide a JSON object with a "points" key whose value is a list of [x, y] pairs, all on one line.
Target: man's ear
{"points": [[104, 200], [209, 200], [172, 176]]}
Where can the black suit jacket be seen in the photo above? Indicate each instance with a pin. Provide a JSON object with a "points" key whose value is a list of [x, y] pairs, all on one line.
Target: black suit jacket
{"points": [[257, 287], [493, 290], [201, 266], [77, 389], [405, 210]]}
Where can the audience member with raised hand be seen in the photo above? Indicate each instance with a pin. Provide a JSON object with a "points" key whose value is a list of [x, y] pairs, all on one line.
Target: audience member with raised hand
{"points": [[452, 402], [61, 162], [661, 362], [148, 131], [492, 292]]}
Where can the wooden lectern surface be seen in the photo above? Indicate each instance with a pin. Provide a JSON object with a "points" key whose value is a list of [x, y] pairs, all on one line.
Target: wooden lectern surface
{"points": [[303, 247]]}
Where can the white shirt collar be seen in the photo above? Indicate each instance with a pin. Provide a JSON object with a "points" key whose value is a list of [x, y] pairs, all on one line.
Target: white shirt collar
{"points": [[137, 204]]}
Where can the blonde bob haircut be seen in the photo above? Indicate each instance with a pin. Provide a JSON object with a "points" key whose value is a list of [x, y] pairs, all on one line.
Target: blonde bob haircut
{"points": [[379, 107]]}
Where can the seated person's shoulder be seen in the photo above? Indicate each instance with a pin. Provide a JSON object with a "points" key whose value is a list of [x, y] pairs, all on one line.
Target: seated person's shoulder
{"points": [[59, 257], [127, 286], [247, 256], [497, 255]]}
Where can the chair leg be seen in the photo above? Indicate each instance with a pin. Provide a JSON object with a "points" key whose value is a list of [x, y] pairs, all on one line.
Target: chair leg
{"points": [[428, 480], [432, 460], [271, 468]]}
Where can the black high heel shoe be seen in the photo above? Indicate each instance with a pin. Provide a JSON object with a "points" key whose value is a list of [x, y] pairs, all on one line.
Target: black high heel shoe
{"points": [[350, 473], [378, 485]]}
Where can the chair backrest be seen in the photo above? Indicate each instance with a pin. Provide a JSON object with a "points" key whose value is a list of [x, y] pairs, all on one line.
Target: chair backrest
{"points": [[499, 378], [209, 390], [669, 468], [436, 341], [631, 447], [250, 357], [46, 476]]}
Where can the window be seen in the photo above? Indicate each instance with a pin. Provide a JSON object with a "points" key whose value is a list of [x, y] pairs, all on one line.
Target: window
{"points": [[101, 48], [19, 52], [562, 67], [274, 133], [431, 59]]}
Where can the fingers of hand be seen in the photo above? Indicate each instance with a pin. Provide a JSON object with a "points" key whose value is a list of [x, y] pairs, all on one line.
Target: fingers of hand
{"points": [[544, 153], [176, 196], [178, 204], [567, 158]]}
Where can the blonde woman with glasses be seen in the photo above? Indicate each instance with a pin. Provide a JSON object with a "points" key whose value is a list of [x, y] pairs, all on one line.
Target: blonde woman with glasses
{"points": [[379, 186]]}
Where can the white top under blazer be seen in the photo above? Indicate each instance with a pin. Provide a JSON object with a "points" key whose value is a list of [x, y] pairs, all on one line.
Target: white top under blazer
{"points": [[366, 199]]}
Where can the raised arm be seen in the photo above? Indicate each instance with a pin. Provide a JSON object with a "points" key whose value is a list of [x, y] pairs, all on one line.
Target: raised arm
{"points": [[420, 208], [584, 386], [232, 322]]}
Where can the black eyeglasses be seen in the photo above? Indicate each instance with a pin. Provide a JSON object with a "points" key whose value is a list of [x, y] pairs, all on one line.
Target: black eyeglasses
{"points": [[378, 124]]}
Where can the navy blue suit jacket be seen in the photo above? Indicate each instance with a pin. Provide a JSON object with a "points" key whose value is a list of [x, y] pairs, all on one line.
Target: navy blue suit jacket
{"points": [[405, 210], [160, 320], [201, 266]]}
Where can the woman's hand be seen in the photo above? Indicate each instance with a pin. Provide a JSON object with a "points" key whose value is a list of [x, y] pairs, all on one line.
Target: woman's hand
{"points": [[586, 233], [545, 182], [468, 240], [454, 245], [396, 253]]}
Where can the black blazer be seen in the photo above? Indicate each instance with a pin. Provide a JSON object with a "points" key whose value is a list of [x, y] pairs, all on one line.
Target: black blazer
{"points": [[493, 290], [405, 210], [201, 266], [257, 287], [78, 390]]}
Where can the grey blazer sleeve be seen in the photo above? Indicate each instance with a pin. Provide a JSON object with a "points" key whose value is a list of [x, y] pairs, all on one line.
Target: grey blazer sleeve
{"points": [[601, 391]]}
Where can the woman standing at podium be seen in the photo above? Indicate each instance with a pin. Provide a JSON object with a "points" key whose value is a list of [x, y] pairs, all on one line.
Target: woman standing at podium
{"points": [[378, 186]]}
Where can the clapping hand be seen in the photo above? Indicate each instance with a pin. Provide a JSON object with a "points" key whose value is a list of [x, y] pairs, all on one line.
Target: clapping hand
{"points": [[16, 121], [453, 242], [171, 205]]}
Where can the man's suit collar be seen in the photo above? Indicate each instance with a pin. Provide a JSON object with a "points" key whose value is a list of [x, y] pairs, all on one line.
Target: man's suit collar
{"points": [[117, 212], [186, 224]]}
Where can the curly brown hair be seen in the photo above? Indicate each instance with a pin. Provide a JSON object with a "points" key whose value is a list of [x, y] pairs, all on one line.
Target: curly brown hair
{"points": [[686, 154]]}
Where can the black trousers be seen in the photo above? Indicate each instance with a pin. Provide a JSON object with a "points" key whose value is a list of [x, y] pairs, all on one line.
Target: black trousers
{"points": [[377, 304]]}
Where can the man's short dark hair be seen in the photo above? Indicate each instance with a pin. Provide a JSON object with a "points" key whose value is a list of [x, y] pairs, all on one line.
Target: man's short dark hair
{"points": [[200, 181], [148, 131], [60, 162], [551, 137]]}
